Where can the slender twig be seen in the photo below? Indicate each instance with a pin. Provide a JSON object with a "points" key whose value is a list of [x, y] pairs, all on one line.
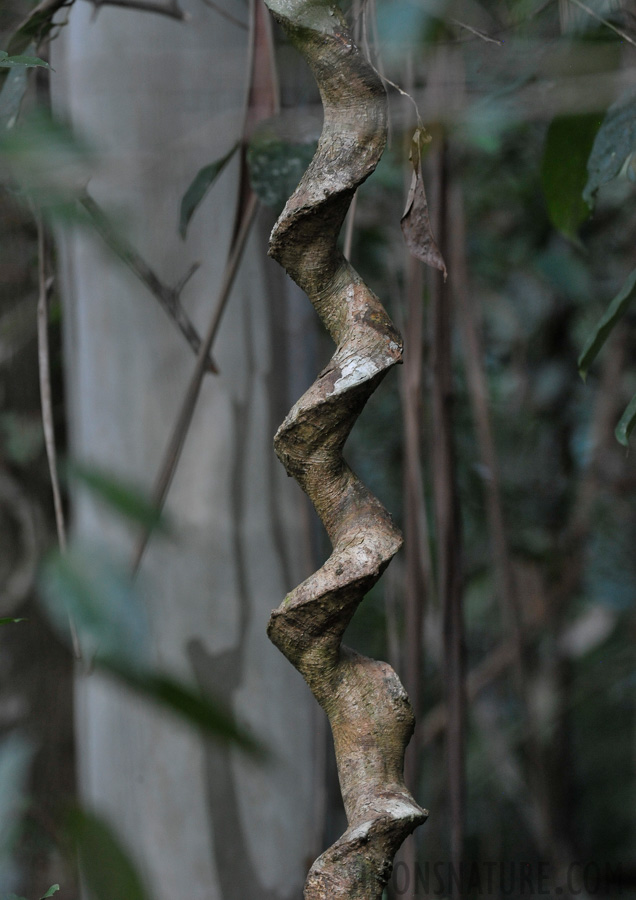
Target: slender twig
{"points": [[45, 289], [168, 297], [447, 520], [225, 14], [182, 424], [477, 33], [44, 365], [608, 24], [172, 9]]}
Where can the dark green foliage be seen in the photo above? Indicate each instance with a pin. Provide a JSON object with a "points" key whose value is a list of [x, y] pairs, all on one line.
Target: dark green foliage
{"points": [[626, 423], [614, 142], [203, 181], [564, 170], [614, 312], [108, 869]]}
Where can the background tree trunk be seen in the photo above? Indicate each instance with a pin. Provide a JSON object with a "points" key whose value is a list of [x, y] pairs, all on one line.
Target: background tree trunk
{"points": [[160, 99]]}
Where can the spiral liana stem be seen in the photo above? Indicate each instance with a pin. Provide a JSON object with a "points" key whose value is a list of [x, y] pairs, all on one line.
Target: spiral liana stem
{"points": [[368, 709]]}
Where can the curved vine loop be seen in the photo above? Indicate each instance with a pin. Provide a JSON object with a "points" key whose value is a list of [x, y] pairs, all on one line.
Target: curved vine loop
{"points": [[370, 714]]}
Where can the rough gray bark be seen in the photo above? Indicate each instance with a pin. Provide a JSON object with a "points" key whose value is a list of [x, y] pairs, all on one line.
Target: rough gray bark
{"points": [[159, 99], [370, 714]]}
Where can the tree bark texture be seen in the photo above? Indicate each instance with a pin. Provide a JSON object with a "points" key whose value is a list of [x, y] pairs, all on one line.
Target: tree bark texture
{"points": [[369, 711], [158, 100]]}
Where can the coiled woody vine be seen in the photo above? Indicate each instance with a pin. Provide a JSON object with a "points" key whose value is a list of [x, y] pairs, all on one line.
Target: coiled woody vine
{"points": [[368, 709]]}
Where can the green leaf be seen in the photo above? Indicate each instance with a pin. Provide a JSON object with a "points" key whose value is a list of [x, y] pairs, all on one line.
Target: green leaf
{"points": [[26, 62], [564, 170], [11, 96], [11, 621], [103, 601], [52, 890], [606, 323], [108, 869], [124, 498], [200, 710], [615, 140], [626, 424], [203, 181]]}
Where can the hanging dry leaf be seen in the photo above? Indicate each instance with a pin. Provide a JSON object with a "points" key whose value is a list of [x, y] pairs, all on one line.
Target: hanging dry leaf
{"points": [[416, 225]]}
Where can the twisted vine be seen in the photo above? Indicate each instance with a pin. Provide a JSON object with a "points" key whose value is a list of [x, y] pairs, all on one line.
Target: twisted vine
{"points": [[370, 714]]}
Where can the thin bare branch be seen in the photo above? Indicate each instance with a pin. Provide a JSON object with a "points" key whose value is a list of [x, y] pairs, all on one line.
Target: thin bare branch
{"points": [[226, 15], [606, 22], [45, 287], [171, 9], [168, 297], [477, 33], [182, 424]]}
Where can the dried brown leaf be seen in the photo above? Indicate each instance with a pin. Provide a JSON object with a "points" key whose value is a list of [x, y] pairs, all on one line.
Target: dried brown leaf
{"points": [[416, 224]]}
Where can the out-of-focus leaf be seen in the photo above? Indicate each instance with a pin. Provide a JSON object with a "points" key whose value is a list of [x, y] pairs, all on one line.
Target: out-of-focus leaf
{"points": [[605, 324], [564, 170], [47, 161], [103, 601], [626, 424], [125, 499], [200, 710], [106, 608], [36, 26], [11, 96], [25, 62], [416, 225], [108, 869], [277, 162], [16, 754], [52, 890], [614, 142], [203, 181], [11, 621]]}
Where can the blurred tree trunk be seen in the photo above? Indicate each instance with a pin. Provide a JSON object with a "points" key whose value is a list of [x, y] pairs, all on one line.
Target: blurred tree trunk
{"points": [[160, 99]]}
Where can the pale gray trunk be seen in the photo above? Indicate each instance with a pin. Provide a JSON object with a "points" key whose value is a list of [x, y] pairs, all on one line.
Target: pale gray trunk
{"points": [[160, 99]]}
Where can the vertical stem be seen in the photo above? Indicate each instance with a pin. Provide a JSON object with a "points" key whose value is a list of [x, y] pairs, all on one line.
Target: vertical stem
{"points": [[448, 526], [46, 402], [478, 392]]}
